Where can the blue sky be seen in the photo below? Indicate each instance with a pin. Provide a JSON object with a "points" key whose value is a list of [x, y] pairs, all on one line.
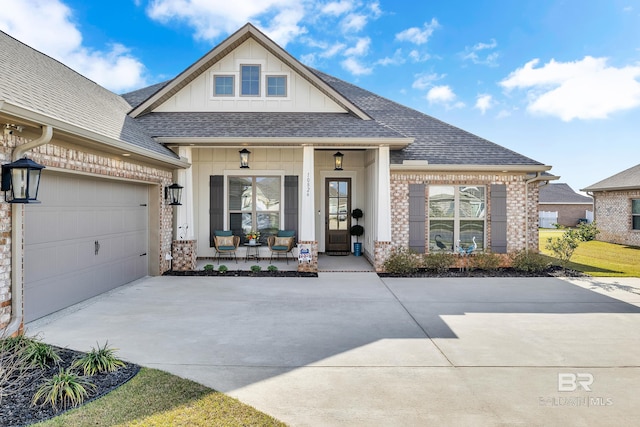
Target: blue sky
{"points": [[558, 81]]}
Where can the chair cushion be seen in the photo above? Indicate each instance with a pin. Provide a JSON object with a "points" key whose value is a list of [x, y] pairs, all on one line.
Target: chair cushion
{"points": [[282, 241], [226, 248], [223, 233], [224, 241], [280, 248], [286, 233]]}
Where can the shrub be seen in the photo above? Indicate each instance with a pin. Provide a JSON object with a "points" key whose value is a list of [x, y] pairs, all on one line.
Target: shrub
{"points": [[529, 262], [255, 268], [587, 232], [486, 261], [402, 261], [223, 269], [40, 354], [98, 360], [65, 389], [272, 268], [439, 262], [208, 267]]}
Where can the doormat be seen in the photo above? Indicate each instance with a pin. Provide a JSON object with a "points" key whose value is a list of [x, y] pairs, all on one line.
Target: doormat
{"points": [[338, 253]]}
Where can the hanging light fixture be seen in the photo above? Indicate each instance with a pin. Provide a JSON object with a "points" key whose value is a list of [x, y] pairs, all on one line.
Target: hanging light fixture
{"points": [[244, 158], [21, 179], [173, 193], [337, 160]]}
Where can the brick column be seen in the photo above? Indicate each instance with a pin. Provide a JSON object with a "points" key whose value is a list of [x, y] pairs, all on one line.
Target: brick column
{"points": [[184, 255], [381, 253]]}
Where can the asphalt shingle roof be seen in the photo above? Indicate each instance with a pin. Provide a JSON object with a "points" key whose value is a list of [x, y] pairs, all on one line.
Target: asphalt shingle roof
{"points": [[435, 141], [40, 83], [627, 179], [257, 125], [561, 193]]}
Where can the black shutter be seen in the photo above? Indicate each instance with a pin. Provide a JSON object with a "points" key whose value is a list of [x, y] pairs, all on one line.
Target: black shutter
{"points": [[291, 203], [216, 205], [417, 218], [499, 218]]}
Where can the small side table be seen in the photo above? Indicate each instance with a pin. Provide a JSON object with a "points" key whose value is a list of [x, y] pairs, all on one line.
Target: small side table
{"points": [[253, 251]]}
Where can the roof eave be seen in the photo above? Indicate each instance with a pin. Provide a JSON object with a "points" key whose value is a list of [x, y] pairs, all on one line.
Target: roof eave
{"points": [[418, 166], [90, 136], [392, 143], [604, 189]]}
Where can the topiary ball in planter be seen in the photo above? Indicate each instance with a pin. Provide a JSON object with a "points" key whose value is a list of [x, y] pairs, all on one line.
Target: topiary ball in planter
{"points": [[357, 230], [357, 213]]}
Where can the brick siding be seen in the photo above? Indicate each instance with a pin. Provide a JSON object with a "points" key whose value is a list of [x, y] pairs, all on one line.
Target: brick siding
{"points": [[613, 217]]}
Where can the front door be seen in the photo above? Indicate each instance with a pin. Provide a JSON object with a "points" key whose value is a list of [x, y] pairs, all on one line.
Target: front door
{"points": [[338, 219]]}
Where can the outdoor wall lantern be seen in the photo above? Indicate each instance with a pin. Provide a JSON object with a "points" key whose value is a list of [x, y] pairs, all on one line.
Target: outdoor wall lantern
{"points": [[337, 159], [244, 158], [173, 193], [21, 179]]}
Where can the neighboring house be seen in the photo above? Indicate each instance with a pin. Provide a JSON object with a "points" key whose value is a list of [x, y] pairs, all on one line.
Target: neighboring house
{"points": [[559, 204], [617, 207], [103, 220]]}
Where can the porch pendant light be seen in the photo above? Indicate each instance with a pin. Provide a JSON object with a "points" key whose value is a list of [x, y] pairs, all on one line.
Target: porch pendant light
{"points": [[21, 179], [337, 160], [244, 158], [173, 193]]}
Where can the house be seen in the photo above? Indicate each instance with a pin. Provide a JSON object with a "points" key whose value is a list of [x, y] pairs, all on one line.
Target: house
{"points": [[617, 207], [559, 204], [104, 219]]}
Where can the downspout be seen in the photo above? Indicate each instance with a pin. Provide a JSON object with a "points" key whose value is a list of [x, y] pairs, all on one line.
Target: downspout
{"points": [[526, 210], [17, 254]]}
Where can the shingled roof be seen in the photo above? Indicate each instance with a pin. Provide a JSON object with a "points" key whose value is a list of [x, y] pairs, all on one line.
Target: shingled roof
{"points": [[628, 179], [560, 193], [36, 82]]}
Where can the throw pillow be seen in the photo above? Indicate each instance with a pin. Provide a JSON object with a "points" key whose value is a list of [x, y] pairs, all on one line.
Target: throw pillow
{"points": [[225, 240], [282, 241]]}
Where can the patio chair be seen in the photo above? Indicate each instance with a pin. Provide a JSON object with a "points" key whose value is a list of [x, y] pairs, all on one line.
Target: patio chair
{"points": [[226, 244], [281, 244]]}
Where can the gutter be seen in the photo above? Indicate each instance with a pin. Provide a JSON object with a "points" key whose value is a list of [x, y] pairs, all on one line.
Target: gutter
{"points": [[17, 249]]}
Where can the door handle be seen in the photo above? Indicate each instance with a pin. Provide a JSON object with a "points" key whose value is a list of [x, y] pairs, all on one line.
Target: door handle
{"points": [[96, 247]]}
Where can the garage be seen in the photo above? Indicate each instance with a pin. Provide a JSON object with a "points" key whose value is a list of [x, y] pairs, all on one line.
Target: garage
{"points": [[88, 236]]}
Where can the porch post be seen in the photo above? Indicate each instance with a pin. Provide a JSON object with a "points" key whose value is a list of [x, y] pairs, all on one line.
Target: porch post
{"points": [[184, 214], [307, 239], [382, 243]]}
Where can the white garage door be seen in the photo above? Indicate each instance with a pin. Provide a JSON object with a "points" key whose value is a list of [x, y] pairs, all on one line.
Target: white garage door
{"points": [[88, 236]]}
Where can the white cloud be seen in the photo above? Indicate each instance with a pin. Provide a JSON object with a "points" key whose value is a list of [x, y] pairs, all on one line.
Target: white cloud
{"points": [[396, 59], [337, 8], [360, 49], [484, 102], [416, 56], [57, 36], [473, 54], [333, 50], [443, 95], [354, 23], [355, 67], [215, 17], [418, 35], [424, 81], [584, 89]]}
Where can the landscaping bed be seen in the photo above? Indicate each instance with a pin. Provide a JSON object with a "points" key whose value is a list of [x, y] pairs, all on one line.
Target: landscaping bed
{"points": [[240, 273], [17, 410], [551, 271]]}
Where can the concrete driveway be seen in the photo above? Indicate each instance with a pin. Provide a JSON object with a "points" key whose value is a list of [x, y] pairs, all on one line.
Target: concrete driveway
{"points": [[353, 349]]}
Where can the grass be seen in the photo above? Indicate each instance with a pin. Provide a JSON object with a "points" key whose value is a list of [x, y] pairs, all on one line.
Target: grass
{"points": [[597, 258], [157, 398]]}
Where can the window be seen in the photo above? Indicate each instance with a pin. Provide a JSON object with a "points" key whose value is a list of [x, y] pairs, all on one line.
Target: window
{"points": [[223, 86], [254, 204], [250, 78], [456, 213], [635, 214], [276, 86]]}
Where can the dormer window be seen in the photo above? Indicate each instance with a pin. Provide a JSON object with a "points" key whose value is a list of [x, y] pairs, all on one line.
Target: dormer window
{"points": [[224, 85], [250, 80], [277, 86]]}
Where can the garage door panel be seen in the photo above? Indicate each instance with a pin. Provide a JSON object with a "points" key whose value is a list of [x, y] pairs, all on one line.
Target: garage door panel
{"points": [[61, 266]]}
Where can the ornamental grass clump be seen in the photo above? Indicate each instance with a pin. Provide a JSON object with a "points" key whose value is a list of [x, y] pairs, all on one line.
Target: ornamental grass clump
{"points": [[98, 360], [64, 390]]}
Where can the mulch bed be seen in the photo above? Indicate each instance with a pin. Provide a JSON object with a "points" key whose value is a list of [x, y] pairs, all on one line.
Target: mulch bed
{"points": [[240, 273], [553, 271], [16, 409]]}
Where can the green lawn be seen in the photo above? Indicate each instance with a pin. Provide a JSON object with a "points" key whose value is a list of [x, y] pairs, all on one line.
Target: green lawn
{"points": [[156, 398], [599, 258]]}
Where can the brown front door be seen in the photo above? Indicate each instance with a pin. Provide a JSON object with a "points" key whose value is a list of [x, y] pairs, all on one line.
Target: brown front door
{"points": [[338, 219]]}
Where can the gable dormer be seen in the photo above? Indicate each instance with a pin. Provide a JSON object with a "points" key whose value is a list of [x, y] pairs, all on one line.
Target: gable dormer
{"points": [[248, 73]]}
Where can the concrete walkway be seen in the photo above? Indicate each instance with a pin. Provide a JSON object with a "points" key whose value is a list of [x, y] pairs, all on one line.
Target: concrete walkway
{"points": [[353, 349]]}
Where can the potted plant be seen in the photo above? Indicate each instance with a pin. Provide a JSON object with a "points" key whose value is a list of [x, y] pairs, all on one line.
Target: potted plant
{"points": [[357, 230]]}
